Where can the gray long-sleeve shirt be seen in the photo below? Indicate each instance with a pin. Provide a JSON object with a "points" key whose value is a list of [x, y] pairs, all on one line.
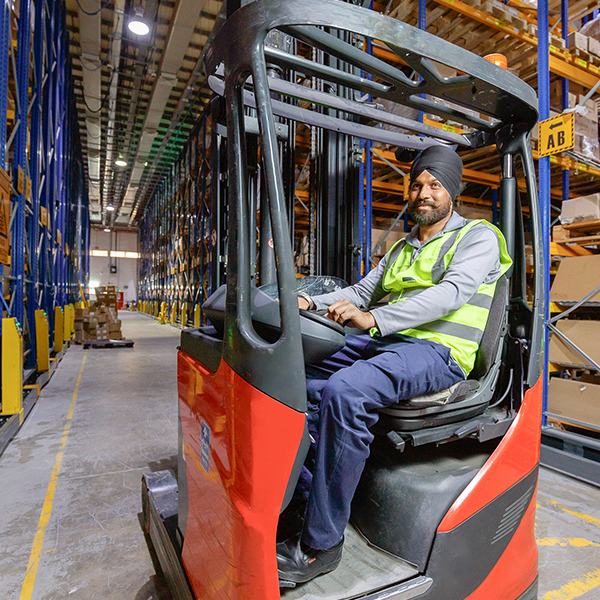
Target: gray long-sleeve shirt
{"points": [[476, 261]]}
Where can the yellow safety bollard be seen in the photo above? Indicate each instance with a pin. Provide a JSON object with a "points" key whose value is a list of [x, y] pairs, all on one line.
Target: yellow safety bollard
{"points": [[58, 329], [72, 319], [184, 315], [197, 316], [12, 369], [42, 343], [66, 323], [174, 313]]}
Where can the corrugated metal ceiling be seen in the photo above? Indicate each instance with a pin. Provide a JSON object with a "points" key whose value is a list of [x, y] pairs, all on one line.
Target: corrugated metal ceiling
{"points": [[137, 97]]}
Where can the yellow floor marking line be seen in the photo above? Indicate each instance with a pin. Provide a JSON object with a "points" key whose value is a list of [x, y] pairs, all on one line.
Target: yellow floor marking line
{"points": [[577, 542], [38, 541], [575, 588], [579, 515], [583, 516]]}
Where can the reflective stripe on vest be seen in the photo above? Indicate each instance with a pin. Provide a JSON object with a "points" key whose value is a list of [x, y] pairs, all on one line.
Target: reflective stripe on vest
{"points": [[403, 278]]}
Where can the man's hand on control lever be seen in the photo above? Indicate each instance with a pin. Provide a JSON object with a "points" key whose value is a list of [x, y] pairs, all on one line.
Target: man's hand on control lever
{"points": [[345, 313]]}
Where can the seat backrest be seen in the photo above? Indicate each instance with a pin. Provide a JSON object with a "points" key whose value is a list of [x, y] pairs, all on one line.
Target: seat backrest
{"points": [[492, 335]]}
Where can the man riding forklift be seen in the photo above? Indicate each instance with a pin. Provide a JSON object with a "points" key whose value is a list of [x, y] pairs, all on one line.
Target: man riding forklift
{"points": [[445, 506], [441, 280]]}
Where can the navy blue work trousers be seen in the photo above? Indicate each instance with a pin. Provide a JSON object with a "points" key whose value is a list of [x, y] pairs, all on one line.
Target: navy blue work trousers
{"points": [[344, 393]]}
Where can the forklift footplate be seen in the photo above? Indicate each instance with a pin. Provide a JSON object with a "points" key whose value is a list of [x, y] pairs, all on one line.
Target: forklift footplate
{"points": [[364, 569], [159, 506], [108, 344]]}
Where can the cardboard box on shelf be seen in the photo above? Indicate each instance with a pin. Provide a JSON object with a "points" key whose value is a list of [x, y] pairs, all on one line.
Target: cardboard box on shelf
{"points": [[591, 110], [80, 313], [587, 126], [393, 237], [593, 46], [584, 208], [576, 277], [577, 40], [560, 234], [578, 400], [587, 147], [475, 212], [584, 334], [556, 96]]}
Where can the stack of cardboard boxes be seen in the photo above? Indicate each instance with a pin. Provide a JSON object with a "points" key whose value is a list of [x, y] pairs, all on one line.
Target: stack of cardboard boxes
{"points": [[580, 221], [574, 391], [106, 295], [585, 121], [99, 323]]}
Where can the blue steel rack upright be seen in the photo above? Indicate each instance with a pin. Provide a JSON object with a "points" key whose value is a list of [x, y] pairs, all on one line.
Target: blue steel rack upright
{"points": [[41, 153]]}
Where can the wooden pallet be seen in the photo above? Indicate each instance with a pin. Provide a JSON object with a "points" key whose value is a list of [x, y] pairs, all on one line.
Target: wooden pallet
{"points": [[108, 344], [583, 233]]}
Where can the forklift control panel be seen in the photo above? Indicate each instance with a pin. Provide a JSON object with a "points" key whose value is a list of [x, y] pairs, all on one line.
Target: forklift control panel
{"points": [[321, 337]]}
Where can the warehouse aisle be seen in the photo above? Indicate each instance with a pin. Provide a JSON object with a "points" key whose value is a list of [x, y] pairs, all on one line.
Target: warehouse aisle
{"points": [[124, 423]]}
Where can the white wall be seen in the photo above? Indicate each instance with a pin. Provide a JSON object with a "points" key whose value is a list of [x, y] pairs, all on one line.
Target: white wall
{"points": [[125, 279]]}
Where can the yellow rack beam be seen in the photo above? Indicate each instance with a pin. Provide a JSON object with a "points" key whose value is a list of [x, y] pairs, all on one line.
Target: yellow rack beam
{"points": [[561, 61]]}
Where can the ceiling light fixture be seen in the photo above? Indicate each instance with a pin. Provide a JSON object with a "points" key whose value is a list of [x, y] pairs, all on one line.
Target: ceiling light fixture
{"points": [[121, 162], [107, 230], [137, 25], [110, 207]]}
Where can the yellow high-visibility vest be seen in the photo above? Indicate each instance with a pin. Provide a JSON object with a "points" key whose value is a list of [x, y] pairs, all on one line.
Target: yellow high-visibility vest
{"points": [[462, 330]]}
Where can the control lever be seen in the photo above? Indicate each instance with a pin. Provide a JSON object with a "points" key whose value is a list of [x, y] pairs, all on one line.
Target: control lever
{"points": [[397, 440], [467, 429]]}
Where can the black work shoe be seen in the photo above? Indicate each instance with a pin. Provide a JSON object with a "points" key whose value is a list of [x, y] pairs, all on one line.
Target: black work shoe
{"points": [[298, 563]]}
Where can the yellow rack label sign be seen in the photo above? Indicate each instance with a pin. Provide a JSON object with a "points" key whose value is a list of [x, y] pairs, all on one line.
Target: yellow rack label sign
{"points": [[556, 134]]}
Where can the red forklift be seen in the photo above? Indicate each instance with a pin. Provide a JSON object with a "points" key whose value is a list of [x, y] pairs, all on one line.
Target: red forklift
{"points": [[445, 508]]}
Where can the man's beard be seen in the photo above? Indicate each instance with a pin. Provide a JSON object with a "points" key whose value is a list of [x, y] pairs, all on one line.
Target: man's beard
{"points": [[436, 214]]}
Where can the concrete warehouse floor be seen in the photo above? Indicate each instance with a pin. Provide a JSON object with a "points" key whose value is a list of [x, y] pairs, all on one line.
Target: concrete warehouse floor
{"points": [[70, 501]]}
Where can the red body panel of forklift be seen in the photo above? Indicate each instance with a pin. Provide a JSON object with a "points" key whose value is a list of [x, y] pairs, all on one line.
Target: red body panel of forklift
{"points": [[515, 457], [229, 549], [517, 568]]}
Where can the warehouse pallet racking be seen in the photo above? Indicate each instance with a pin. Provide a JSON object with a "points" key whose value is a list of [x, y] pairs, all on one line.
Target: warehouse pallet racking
{"points": [[174, 267], [45, 221]]}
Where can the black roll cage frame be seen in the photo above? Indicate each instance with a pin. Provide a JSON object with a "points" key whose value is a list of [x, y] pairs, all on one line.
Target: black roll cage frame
{"points": [[236, 66]]}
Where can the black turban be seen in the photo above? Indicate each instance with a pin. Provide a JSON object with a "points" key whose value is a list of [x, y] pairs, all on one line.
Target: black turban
{"points": [[443, 163]]}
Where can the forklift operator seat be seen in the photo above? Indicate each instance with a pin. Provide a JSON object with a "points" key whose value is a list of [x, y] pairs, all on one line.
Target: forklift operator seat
{"points": [[466, 399]]}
